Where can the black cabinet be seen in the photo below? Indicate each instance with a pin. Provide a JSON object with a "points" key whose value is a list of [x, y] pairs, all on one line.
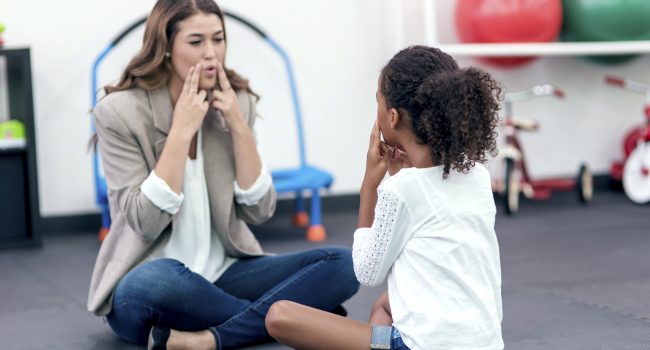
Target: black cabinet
{"points": [[20, 221]]}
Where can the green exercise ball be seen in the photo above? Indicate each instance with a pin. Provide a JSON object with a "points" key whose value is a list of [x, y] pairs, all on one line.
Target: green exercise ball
{"points": [[606, 20]]}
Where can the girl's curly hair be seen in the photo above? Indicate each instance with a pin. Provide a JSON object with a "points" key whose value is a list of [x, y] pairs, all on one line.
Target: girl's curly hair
{"points": [[453, 110]]}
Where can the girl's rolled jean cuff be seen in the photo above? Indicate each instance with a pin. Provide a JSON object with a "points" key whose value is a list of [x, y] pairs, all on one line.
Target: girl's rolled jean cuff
{"points": [[386, 338]]}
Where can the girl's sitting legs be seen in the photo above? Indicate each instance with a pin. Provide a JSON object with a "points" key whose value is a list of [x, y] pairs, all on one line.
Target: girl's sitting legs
{"points": [[303, 327]]}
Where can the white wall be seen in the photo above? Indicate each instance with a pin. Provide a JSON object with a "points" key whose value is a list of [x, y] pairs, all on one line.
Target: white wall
{"points": [[337, 51], [337, 47]]}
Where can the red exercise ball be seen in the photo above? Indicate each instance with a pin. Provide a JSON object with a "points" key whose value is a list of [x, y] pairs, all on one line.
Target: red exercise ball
{"points": [[508, 21]]}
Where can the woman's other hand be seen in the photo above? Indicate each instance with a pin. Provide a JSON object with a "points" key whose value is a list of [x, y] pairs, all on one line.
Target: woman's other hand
{"points": [[191, 106], [225, 100]]}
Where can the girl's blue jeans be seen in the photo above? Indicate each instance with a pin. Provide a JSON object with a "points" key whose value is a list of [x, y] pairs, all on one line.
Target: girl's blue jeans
{"points": [[165, 293]]}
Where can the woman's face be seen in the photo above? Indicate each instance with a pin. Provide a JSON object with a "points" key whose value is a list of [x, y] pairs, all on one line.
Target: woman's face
{"points": [[200, 39]]}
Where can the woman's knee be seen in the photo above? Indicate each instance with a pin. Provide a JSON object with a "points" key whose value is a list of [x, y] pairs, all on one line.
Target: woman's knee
{"points": [[341, 259], [156, 269], [152, 283]]}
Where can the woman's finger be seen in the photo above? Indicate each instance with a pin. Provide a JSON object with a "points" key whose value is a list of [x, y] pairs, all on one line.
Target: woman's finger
{"points": [[218, 100], [218, 95], [201, 95], [194, 82], [188, 77], [216, 104], [224, 83]]}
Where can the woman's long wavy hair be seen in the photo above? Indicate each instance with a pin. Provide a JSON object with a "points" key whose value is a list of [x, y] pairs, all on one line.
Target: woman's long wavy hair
{"points": [[452, 110], [149, 69]]}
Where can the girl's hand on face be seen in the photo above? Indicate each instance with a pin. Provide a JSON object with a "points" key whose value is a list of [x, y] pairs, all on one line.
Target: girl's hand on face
{"points": [[398, 160], [191, 106], [225, 100], [377, 158]]}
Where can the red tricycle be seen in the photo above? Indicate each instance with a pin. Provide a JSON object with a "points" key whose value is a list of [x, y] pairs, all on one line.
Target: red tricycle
{"points": [[634, 169], [517, 178]]}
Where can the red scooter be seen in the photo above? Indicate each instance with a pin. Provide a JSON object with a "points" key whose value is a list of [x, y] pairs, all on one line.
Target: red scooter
{"points": [[634, 169], [517, 179]]}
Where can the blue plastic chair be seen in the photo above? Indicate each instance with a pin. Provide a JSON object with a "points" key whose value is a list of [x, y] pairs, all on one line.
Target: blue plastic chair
{"points": [[304, 178]]}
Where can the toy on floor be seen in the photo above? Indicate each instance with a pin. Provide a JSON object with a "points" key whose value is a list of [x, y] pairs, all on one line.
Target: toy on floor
{"points": [[634, 169], [517, 178]]}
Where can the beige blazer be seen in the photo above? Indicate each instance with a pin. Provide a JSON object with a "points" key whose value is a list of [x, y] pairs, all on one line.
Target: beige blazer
{"points": [[132, 127]]}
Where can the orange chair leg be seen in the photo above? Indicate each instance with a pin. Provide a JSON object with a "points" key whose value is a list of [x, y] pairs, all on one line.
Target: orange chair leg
{"points": [[300, 219], [103, 232], [316, 233]]}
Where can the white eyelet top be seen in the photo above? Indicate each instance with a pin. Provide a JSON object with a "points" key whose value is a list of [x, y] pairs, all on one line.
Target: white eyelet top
{"points": [[434, 240]]}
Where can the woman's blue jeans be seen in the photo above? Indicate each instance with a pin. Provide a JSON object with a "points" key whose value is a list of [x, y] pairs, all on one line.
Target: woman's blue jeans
{"points": [[165, 293]]}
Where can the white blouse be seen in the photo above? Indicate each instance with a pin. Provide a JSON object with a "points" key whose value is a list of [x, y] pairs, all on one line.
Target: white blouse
{"points": [[193, 240], [434, 240]]}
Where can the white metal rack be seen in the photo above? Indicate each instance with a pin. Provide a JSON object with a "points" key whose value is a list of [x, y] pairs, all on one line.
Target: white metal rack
{"points": [[548, 49], [429, 12]]}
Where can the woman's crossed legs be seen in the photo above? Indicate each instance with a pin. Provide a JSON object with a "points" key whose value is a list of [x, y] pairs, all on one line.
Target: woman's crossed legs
{"points": [[165, 293]]}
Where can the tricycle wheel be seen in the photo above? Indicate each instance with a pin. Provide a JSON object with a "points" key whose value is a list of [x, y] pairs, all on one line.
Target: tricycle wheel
{"points": [[512, 187], [585, 185], [636, 174]]}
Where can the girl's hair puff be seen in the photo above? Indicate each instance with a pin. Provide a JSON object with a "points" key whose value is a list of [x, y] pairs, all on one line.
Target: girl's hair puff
{"points": [[453, 110]]}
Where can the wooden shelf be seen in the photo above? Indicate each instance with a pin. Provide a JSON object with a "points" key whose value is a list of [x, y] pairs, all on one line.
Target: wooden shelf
{"points": [[14, 150], [547, 49]]}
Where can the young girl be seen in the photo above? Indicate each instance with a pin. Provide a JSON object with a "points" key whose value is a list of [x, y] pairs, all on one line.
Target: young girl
{"points": [[429, 227]]}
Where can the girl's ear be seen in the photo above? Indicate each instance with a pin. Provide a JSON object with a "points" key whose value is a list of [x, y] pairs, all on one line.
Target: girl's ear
{"points": [[394, 117]]}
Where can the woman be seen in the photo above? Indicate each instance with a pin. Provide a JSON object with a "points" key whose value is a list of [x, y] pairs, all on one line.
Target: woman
{"points": [[180, 266]]}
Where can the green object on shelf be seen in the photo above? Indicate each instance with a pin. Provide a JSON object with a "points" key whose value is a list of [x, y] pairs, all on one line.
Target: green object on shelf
{"points": [[12, 130], [2, 28], [606, 20]]}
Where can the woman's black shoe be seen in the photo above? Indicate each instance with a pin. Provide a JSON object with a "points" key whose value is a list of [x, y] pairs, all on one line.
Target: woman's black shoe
{"points": [[158, 338]]}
